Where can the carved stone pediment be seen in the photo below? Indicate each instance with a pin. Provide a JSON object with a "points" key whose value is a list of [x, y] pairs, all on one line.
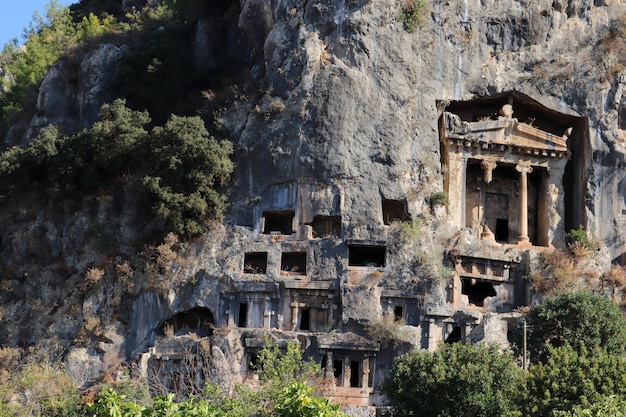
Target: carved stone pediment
{"points": [[506, 134]]}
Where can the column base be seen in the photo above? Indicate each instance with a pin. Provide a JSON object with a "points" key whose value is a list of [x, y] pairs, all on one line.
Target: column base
{"points": [[523, 241]]}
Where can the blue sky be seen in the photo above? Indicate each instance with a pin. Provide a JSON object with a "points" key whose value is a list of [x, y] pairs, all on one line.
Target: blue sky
{"points": [[15, 15]]}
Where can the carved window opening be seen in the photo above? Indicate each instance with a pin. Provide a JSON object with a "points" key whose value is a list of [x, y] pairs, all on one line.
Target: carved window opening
{"points": [[255, 263], [355, 374], [293, 263], [398, 313], [326, 226], [477, 290], [242, 319], [198, 320], [395, 211], [454, 336], [278, 222], [365, 255], [305, 319]]}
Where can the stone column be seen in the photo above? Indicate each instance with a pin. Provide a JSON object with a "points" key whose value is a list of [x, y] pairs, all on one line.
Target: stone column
{"points": [[330, 369], [524, 169], [365, 376]]}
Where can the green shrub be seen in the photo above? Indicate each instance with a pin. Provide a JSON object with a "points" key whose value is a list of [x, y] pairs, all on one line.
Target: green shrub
{"points": [[577, 240], [574, 319], [457, 379], [439, 198], [411, 14]]}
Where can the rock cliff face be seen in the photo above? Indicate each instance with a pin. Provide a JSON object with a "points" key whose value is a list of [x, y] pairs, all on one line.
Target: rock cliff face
{"points": [[344, 137]]}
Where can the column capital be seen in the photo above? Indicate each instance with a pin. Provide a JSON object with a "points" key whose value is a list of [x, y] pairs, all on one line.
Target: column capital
{"points": [[524, 167], [488, 165]]}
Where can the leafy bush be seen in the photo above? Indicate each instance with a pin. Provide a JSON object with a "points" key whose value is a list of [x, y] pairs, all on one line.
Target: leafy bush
{"points": [[457, 379], [571, 378], [439, 198], [575, 319], [579, 243]]}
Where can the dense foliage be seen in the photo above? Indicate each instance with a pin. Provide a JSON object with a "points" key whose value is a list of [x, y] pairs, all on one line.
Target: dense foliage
{"points": [[288, 389], [573, 378], [575, 319], [179, 165], [457, 379]]}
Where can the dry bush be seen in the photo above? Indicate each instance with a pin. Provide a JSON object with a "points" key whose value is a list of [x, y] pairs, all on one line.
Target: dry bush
{"points": [[557, 272], [611, 51], [615, 279], [386, 330], [93, 275]]}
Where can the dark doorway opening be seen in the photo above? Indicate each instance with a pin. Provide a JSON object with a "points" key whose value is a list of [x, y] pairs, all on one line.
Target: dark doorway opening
{"points": [[477, 291], [366, 255], [293, 263], [355, 374], [305, 319], [394, 211], [198, 320], [278, 222], [242, 320], [255, 263], [326, 226], [455, 335], [502, 230], [398, 313]]}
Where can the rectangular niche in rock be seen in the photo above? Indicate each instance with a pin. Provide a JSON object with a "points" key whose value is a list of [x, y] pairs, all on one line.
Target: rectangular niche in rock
{"points": [[278, 222], [255, 263], [367, 255], [395, 211], [293, 263], [326, 226]]}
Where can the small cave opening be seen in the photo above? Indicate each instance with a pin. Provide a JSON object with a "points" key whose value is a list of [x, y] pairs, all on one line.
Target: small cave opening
{"points": [[198, 320], [365, 255], [278, 222], [395, 211], [293, 263], [326, 226], [477, 290], [255, 263]]}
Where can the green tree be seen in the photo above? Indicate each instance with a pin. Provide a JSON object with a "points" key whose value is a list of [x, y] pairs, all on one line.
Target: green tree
{"points": [[457, 379], [573, 378], [184, 168], [576, 319], [46, 39]]}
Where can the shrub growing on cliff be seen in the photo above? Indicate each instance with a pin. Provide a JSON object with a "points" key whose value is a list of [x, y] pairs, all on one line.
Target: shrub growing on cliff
{"points": [[179, 165], [411, 13]]}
